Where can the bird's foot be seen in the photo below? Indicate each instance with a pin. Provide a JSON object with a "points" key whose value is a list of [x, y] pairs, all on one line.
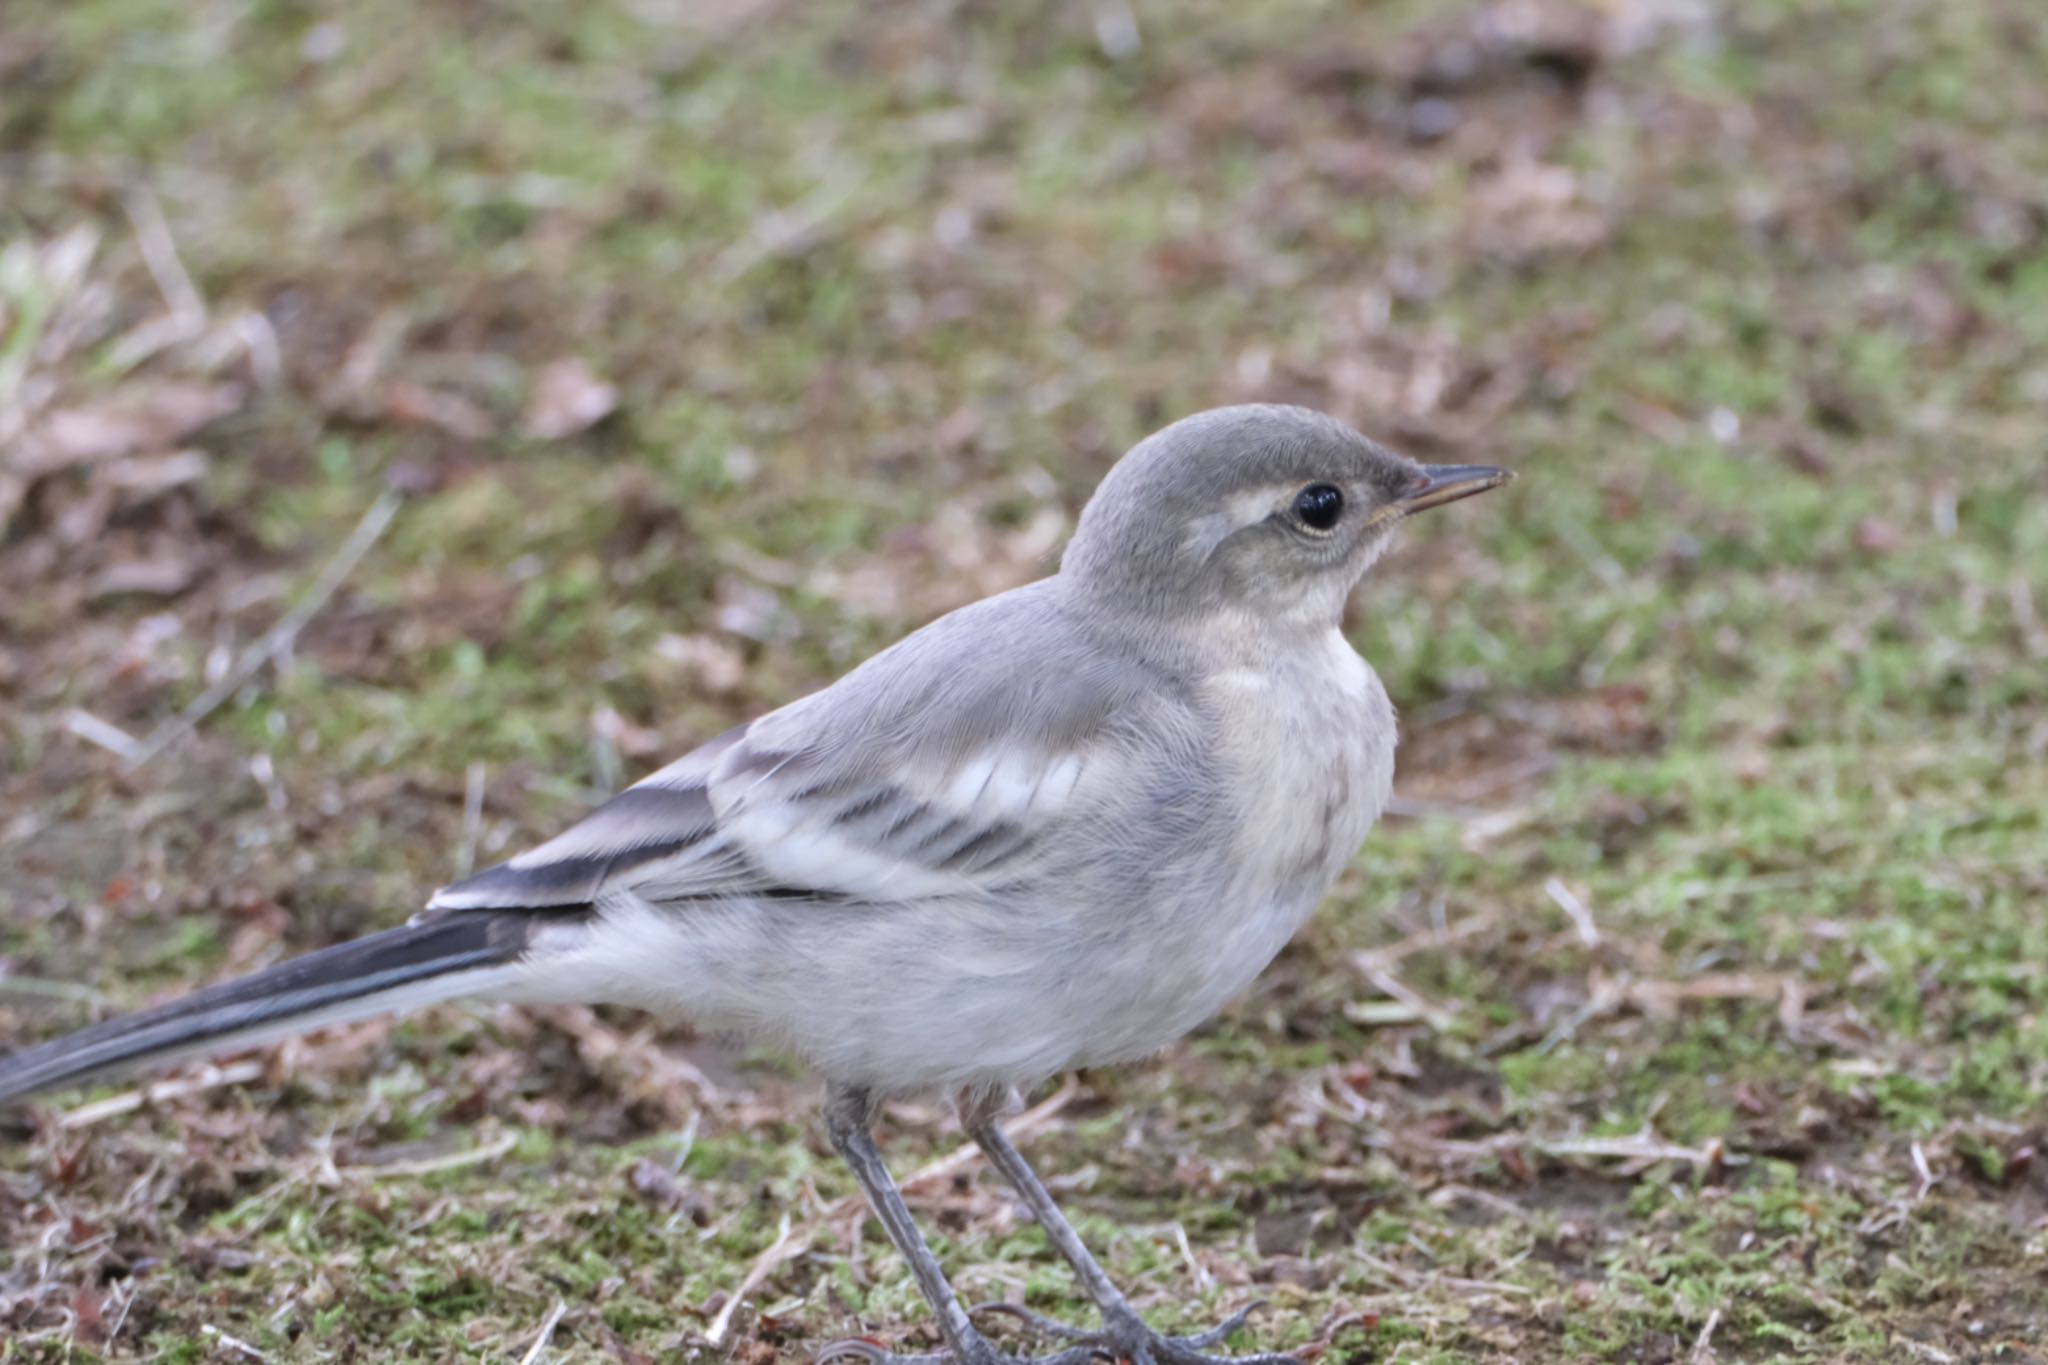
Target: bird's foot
{"points": [[1125, 1337], [979, 1352]]}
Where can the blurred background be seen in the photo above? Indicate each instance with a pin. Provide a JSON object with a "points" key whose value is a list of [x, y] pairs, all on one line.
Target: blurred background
{"points": [[417, 419]]}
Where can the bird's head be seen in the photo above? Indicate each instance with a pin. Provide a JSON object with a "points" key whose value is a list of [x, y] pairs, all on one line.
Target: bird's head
{"points": [[1267, 511]]}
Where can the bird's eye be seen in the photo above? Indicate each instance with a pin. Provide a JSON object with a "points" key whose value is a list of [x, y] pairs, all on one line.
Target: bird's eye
{"points": [[1318, 506]]}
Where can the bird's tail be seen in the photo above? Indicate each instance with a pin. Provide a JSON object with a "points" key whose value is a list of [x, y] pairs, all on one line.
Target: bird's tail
{"points": [[435, 958]]}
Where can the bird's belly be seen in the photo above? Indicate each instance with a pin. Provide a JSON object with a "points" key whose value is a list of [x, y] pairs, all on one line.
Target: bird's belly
{"points": [[1138, 939], [929, 996], [1163, 992]]}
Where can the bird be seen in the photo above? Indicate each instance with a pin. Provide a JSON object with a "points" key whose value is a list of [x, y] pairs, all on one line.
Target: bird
{"points": [[1056, 828]]}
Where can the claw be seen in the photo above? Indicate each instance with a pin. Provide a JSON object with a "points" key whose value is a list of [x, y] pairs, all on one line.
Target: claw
{"points": [[871, 1352], [1039, 1322], [874, 1353], [1222, 1331], [850, 1348], [1131, 1341]]}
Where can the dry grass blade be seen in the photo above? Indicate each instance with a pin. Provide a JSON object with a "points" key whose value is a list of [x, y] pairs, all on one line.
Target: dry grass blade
{"points": [[1581, 915], [1640, 1150], [538, 1350], [153, 235], [966, 1154], [784, 1248], [127, 1102], [235, 1344], [1703, 1344], [453, 1161], [791, 231], [279, 637], [1450, 935], [104, 733], [1384, 980], [1413, 1280]]}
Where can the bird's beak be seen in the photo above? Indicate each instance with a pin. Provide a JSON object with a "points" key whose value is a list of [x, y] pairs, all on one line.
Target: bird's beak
{"points": [[1442, 483]]}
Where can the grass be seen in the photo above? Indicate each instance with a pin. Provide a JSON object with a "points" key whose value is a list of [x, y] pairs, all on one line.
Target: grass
{"points": [[1724, 771]]}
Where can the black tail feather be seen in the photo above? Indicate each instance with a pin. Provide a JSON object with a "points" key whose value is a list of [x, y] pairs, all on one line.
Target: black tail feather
{"points": [[304, 991]]}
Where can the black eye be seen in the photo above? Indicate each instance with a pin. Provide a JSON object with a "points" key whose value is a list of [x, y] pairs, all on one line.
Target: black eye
{"points": [[1319, 505]]}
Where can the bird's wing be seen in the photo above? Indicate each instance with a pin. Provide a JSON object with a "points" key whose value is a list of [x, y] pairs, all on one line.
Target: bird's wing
{"points": [[941, 767], [666, 817]]}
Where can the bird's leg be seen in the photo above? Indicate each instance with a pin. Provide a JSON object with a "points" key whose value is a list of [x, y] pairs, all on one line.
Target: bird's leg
{"points": [[847, 1116], [1123, 1333], [848, 1113], [980, 1120]]}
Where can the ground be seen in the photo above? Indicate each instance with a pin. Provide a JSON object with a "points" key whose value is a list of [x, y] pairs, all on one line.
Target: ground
{"points": [[451, 409]]}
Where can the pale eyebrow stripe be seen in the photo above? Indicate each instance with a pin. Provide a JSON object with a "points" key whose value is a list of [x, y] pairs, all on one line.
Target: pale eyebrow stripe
{"points": [[1247, 507]]}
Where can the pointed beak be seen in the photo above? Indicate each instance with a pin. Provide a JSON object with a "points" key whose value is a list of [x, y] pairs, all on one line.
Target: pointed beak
{"points": [[1442, 483]]}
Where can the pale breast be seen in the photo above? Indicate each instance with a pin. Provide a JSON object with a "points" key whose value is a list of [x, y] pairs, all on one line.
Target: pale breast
{"points": [[1313, 754], [1305, 748]]}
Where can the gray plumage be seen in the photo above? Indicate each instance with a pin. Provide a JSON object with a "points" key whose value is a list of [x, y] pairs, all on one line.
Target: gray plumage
{"points": [[1058, 827]]}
